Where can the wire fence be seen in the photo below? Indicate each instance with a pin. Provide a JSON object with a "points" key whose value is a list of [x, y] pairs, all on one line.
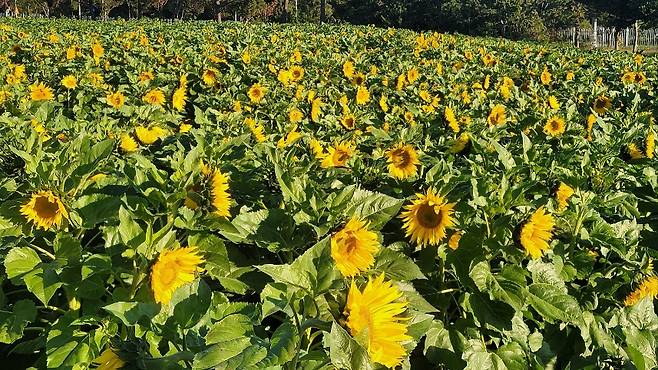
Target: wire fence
{"points": [[605, 36]]}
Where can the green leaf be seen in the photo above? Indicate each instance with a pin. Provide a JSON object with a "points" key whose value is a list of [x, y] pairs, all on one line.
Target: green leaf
{"points": [[189, 303], [132, 313], [396, 266], [230, 328], [345, 352], [13, 323], [43, 282], [131, 233], [21, 260], [375, 207], [553, 304], [283, 346]]}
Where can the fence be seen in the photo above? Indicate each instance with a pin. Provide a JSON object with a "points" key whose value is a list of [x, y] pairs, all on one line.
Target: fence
{"points": [[605, 36]]}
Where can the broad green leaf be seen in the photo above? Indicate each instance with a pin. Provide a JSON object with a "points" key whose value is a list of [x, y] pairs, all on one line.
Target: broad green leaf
{"points": [[131, 313], [13, 323], [553, 304], [21, 260], [345, 352]]}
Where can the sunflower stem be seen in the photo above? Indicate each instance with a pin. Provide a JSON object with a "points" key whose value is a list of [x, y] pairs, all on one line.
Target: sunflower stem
{"points": [[299, 329], [45, 252]]}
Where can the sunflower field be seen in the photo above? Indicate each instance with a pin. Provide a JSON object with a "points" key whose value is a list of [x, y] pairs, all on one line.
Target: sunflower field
{"points": [[258, 196]]}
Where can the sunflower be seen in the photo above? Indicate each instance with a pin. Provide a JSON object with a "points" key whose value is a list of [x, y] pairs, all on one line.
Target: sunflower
{"points": [[562, 195], [109, 360], [256, 93], [545, 77], [402, 161], [628, 77], [172, 270], [317, 149], [348, 69], [295, 115], [296, 73], [362, 95], [453, 242], [640, 78], [221, 199], [154, 97], [128, 144], [70, 82], [376, 312], [179, 98], [292, 136], [348, 121], [650, 144], [209, 77], [449, 115], [634, 151], [497, 116], [553, 103], [383, 104], [40, 91], [149, 135], [353, 247], [316, 109], [460, 144], [536, 233], [45, 209], [256, 129], [427, 218], [412, 75], [337, 155], [648, 288], [554, 126], [602, 104], [116, 100]]}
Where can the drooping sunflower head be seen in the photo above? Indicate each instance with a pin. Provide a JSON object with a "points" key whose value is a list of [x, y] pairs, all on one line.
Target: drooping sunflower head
{"points": [[427, 218], [45, 210], [209, 77], [173, 269], [562, 195], [362, 95], [537, 232], [128, 144], [402, 161], [221, 199], [602, 104], [179, 98], [338, 155], [109, 360], [647, 288], [256, 93], [377, 310], [149, 135], [497, 116], [554, 126], [353, 247]]}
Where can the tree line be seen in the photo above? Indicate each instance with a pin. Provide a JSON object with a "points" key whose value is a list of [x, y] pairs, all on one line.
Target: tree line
{"points": [[516, 19]]}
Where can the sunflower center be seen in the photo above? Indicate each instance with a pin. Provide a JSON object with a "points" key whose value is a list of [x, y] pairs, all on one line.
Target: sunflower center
{"points": [[428, 217], [600, 104], [555, 125], [45, 208], [401, 158], [350, 242], [340, 157]]}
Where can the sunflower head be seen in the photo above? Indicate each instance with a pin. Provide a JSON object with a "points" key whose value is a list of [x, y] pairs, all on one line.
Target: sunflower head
{"points": [[537, 232], [173, 269], [647, 288], [128, 144], [554, 126], [402, 161], [70, 82], [109, 360], [545, 77], [348, 121], [40, 91], [602, 104], [353, 247], [116, 100], [149, 135], [45, 210], [256, 93], [179, 98], [562, 195], [221, 199], [497, 116], [338, 155], [427, 218], [376, 312], [154, 97]]}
